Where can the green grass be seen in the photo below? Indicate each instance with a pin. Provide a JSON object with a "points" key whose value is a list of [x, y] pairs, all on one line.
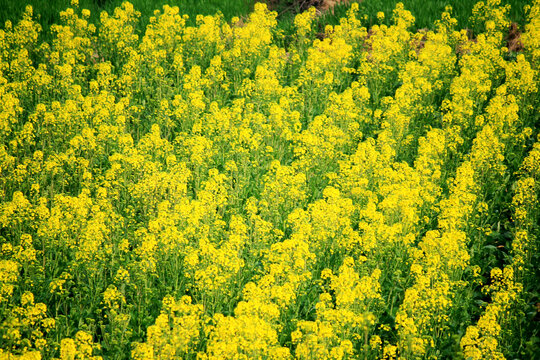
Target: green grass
{"points": [[47, 11], [425, 11]]}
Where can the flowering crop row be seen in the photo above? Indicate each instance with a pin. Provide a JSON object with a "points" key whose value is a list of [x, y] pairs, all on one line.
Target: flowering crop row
{"points": [[227, 191]]}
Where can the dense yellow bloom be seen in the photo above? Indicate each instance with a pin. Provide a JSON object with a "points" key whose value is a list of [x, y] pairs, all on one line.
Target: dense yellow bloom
{"points": [[244, 337], [215, 189], [9, 272], [532, 29], [303, 22], [480, 341], [175, 332], [82, 347], [342, 319]]}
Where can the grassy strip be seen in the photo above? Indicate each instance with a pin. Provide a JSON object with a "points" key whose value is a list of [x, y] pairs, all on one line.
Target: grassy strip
{"points": [[48, 11], [426, 12]]}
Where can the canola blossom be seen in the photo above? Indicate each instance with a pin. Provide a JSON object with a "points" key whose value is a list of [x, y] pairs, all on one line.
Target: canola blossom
{"points": [[216, 189]]}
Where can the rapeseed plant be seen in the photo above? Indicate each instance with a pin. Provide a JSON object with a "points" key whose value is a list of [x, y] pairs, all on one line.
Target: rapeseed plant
{"points": [[202, 190]]}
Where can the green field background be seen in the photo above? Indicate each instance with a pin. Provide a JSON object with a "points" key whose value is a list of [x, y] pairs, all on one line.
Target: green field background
{"points": [[425, 11]]}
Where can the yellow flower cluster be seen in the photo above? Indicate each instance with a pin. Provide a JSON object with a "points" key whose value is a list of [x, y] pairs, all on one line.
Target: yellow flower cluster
{"points": [[208, 189], [176, 332], [444, 254], [480, 340], [525, 202], [82, 347], [343, 319], [532, 29]]}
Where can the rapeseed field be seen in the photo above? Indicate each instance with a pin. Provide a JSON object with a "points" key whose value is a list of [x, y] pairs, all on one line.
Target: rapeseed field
{"points": [[217, 189]]}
